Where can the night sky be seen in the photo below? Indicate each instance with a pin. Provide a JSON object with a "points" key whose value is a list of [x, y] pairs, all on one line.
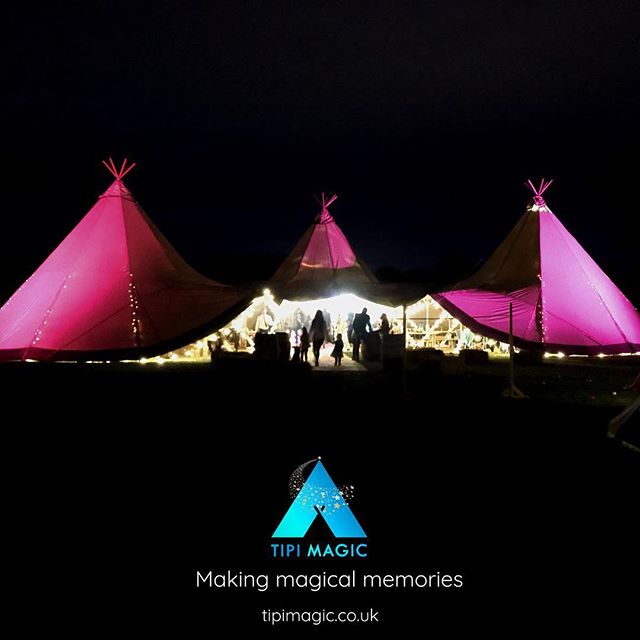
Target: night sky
{"points": [[425, 118]]}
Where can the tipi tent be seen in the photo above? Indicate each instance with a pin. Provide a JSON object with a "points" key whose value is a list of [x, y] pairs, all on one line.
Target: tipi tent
{"points": [[322, 263], [562, 300], [114, 288]]}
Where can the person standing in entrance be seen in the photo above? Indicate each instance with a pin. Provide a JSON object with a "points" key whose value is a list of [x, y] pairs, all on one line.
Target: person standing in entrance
{"points": [[385, 327], [318, 334], [338, 346], [304, 344], [361, 326]]}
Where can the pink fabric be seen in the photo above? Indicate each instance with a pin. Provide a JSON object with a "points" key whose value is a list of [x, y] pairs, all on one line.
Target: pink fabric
{"points": [[581, 305], [571, 305], [491, 309], [328, 247], [114, 283], [322, 264]]}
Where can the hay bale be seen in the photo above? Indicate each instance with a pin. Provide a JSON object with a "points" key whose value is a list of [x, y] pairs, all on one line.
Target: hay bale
{"points": [[474, 356]]}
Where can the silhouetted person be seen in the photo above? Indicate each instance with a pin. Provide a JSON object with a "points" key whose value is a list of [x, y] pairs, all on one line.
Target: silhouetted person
{"points": [[304, 344], [318, 334], [350, 327], [385, 326], [338, 347], [360, 327]]}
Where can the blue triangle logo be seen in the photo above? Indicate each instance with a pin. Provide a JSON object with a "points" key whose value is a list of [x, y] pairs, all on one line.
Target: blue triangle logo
{"points": [[319, 496]]}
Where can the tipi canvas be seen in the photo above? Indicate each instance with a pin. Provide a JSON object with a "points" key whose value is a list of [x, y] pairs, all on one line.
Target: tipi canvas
{"points": [[322, 263], [561, 299], [113, 288]]}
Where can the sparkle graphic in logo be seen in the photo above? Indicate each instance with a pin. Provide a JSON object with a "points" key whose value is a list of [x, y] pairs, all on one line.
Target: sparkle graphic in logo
{"points": [[318, 496]]}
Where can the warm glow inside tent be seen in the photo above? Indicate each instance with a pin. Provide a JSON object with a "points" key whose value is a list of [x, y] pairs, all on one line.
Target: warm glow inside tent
{"points": [[114, 288], [323, 272]]}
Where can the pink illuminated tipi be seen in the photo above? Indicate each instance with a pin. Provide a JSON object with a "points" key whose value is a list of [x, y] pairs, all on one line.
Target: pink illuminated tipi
{"points": [[113, 288], [323, 263], [562, 300]]}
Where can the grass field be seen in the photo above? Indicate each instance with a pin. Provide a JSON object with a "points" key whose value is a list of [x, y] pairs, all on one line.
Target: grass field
{"points": [[140, 473]]}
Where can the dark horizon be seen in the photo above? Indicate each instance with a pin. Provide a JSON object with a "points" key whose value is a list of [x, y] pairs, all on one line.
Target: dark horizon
{"points": [[425, 120]]}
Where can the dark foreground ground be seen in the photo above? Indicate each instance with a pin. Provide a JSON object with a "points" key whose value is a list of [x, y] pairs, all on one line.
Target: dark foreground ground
{"points": [[123, 480]]}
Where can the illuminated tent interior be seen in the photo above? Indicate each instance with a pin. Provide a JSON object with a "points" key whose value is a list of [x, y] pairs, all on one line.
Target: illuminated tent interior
{"points": [[324, 272], [561, 300], [113, 289]]}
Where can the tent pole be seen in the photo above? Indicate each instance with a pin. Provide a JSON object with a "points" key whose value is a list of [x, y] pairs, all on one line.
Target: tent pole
{"points": [[404, 346], [512, 391], [426, 322], [511, 363]]}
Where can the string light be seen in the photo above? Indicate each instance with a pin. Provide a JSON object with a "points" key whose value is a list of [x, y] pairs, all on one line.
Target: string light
{"points": [[135, 315], [239, 334], [37, 336]]}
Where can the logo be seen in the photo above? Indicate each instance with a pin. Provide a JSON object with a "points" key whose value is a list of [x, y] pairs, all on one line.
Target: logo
{"points": [[318, 496]]}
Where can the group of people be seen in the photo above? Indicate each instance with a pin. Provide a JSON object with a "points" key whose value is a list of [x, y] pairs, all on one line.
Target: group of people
{"points": [[316, 337], [318, 334]]}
